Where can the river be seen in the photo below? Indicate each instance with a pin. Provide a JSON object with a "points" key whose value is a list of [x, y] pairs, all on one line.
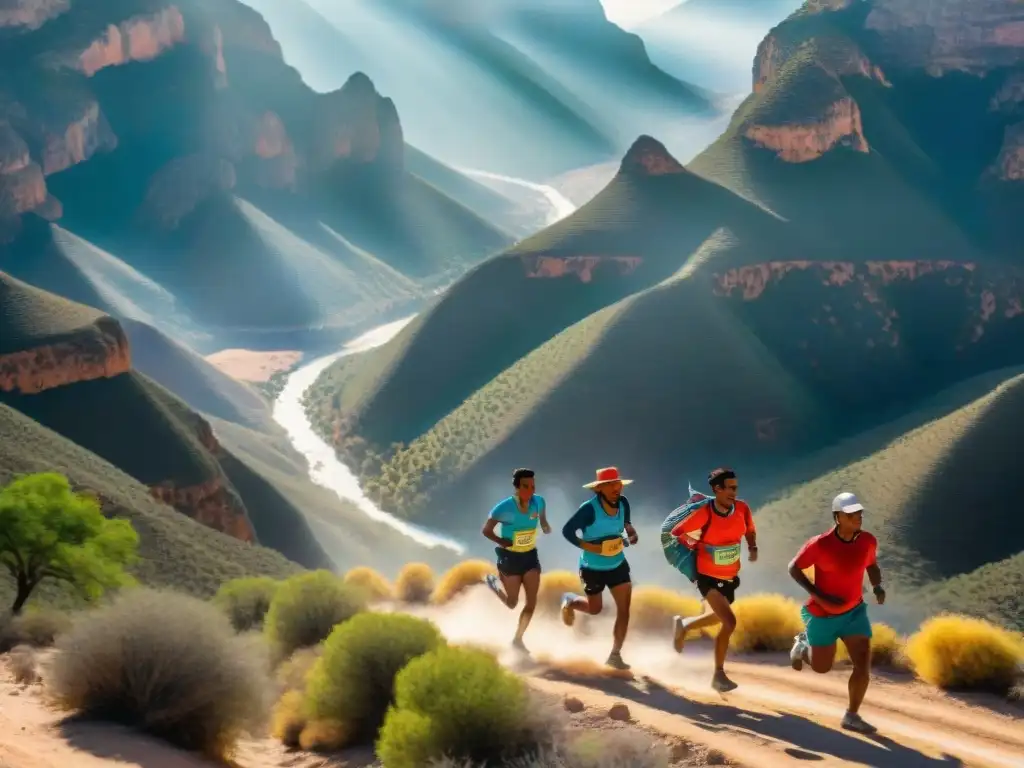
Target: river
{"points": [[325, 469]]}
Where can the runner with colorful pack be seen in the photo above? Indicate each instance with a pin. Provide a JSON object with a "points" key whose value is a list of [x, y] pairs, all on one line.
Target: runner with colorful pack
{"points": [[707, 532]]}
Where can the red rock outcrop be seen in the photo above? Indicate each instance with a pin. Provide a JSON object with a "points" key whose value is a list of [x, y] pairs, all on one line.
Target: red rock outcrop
{"points": [[995, 295], [278, 163], [581, 266], [98, 355], [139, 38], [74, 138], [30, 14], [800, 142], [938, 36], [356, 123], [649, 157], [209, 503]]}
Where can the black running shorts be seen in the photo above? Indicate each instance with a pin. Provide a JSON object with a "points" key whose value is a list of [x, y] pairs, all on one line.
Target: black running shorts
{"points": [[517, 563], [727, 587], [595, 581]]}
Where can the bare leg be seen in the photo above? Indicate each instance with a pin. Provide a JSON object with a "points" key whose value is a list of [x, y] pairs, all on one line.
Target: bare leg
{"points": [[531, 585], [622, 595], [506, 587], [859, 648], [708, 618], [720, 605]]}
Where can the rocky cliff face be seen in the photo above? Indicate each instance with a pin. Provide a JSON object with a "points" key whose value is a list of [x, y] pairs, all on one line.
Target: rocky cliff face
{"points": [[242, 141], [858, 295], [840, 125], [210, 503], [100, 352]]}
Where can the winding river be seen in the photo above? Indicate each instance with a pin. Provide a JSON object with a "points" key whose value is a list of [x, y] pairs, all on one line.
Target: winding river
{"points": [[325, 469]]}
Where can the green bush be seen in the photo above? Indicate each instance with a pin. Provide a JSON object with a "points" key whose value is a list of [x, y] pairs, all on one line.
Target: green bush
{"points": [[36, 629], [307, 607], [460, 703], [353, 681], [247, 600], [167, 664]]}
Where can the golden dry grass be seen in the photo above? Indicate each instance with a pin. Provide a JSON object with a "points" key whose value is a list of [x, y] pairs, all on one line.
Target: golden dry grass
{"points": [[376, 588], [292, 674], [652, 610], [886, 648], [958, 652], [459, 578], [765, 622], [415, 583], [21, 661], [288, 719]]}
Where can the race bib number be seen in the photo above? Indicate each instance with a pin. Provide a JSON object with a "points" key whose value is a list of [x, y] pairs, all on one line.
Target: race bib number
{"points": [[610, 547], [523, 541], [726, 555]]}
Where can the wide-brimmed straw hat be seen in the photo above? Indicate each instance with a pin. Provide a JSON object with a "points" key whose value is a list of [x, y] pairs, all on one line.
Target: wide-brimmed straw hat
{"points": [[607, 475]]}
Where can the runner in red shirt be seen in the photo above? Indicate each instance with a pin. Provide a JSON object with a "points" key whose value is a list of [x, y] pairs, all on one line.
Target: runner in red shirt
{"points": [[836, 610]]}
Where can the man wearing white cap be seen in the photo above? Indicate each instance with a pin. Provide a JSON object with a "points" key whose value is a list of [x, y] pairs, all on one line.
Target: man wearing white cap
{"points": [[836, 609]]}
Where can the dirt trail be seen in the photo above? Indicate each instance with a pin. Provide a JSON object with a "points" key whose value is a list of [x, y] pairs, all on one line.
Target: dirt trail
{"points": [[777, 716]]}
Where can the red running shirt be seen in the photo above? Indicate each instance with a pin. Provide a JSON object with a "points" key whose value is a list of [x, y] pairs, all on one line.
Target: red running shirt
{"points": [[724, 534], [839, 568]]}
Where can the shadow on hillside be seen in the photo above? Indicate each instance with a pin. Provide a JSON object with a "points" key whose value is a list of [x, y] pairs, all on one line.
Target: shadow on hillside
{"points": [[808, 739]]}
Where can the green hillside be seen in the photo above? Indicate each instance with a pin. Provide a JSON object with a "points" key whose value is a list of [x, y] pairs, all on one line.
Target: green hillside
{"points": [[639, 230], [31, 317], [176, 551]]}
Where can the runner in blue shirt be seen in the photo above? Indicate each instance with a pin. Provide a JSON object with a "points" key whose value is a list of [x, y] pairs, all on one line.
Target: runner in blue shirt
{"points": [[518, 563], [597, 528]]}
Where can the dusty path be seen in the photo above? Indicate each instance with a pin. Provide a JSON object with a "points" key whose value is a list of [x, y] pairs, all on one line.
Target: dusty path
{"points": [[777, 717]]}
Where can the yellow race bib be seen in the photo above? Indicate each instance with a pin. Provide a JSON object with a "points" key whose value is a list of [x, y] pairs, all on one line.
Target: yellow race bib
{"points": [[610, 547], [725, 555], [524, 541]]}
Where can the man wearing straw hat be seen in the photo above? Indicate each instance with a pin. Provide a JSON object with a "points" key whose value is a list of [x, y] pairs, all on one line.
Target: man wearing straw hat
{"points": [[597, 528]]}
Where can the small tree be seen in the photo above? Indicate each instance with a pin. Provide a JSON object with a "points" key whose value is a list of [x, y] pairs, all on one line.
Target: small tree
{"points": [[47, 531]]}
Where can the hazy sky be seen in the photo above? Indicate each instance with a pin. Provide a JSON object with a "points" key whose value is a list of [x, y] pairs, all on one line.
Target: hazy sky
{"points": [[627, 13]]}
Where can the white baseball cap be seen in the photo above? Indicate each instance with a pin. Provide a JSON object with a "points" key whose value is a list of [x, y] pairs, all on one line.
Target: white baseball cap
{"points": [[848, 503]]}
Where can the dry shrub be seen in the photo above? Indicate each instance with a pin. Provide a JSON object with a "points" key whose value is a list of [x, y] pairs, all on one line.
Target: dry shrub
{"points": [[553, 585], [289, 719], [458, 703], [22, 663], [414, 583], [36, 629], [652, 610], [765, 623], [167, 664], [960, 652], [353, 682], [459, 578], [375, 587], [886, 648], [246, 601], [619, 748], [307, 607]]}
